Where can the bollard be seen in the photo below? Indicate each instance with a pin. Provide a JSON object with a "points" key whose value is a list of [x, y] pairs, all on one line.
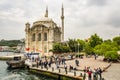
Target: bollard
{"points": [[81, 74], [84, 76], [41, 67], [46, 68], [59, 70], [66, 71], [74, 73], [52, 68]]}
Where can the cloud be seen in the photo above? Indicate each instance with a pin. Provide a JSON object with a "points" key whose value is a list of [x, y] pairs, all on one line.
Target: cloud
{"points": [[82, 17], [96, 2]]}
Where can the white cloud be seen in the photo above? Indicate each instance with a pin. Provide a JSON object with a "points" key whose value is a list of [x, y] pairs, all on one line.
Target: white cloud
{"points": [[82, 17], [15, 14]]}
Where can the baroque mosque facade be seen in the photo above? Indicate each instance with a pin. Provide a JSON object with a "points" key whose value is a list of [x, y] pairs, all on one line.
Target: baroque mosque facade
{"points": [[41, 36]]}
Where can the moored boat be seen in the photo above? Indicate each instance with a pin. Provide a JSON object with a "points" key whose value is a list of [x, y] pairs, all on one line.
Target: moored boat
{"points": [[17, 62]]}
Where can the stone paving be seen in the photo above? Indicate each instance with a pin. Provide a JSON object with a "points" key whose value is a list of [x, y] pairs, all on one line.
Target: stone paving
{"points": [[113, 72], [89, 62]]}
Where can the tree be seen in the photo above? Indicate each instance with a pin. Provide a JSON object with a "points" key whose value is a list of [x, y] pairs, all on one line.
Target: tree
{"points": [[88, 49], [65, 49], [117, 41], [108, 49], [57, 48], [10, 43], [112, 55], [81, 44], [73, 45], [95, 40], [60, 48], [104, 47]]}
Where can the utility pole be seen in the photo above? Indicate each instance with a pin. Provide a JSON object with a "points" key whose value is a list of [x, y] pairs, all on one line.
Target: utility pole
{"points": [[78, 47]]}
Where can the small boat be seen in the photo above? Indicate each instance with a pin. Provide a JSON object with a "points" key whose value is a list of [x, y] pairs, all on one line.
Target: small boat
{"points": [[17, 62]]}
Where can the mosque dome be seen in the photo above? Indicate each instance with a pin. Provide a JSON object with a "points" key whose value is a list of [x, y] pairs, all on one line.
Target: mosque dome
{"points": [[45, 19]]}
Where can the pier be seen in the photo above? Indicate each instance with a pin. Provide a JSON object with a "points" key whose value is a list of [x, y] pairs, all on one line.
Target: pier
{"points": [[10, 57], [58, 74]]}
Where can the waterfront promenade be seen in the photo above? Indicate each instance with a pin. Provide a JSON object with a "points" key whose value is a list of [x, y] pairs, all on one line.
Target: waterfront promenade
{"points": [[88, 62], [112, 73]]}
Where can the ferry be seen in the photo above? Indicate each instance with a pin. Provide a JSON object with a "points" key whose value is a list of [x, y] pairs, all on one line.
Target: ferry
{"points": [[17, 62]]}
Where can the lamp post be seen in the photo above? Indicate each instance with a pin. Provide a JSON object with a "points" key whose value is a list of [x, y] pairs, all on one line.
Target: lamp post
{"points": [[78, 47]]}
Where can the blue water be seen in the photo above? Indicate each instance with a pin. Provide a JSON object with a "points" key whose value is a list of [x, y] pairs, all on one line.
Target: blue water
{"points": [[17, 74]]}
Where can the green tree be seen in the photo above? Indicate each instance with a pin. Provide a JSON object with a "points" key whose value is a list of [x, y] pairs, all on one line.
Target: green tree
{"points": [[112, 55], [73, 45], [104, 47], [88, 49], [95, 40], [65, 49], [81, 44], [60, 48], [117, 40], [10, 43], [57, 48]]}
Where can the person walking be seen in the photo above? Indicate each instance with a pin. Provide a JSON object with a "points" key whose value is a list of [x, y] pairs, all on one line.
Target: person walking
{"points": [[65, 66], [100, 73], [84, 76], [89, 75], [77, 62], [95, 75]]}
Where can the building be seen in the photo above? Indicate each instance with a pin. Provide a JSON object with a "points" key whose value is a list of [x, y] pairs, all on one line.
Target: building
{"points": [[41, 36], [4, 48]]}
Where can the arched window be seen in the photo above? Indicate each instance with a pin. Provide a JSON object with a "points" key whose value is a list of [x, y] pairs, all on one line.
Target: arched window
{"points": [[39, 37], [45, 36], [33, 37]]}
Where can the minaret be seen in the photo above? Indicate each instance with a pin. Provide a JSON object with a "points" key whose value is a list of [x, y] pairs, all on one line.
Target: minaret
{"points": [[46, 14], [62, 20]]}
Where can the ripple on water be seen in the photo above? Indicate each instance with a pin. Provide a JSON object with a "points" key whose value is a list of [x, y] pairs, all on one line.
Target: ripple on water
{"points": [[17, 74]]}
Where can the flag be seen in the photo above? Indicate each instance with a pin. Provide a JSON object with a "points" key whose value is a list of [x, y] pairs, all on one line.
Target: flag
{"points": [[27, 49]]}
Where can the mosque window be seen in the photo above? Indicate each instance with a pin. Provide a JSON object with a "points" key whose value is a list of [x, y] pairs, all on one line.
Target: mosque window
{"points": [[39, 37], [45, 36], [33, 37]]}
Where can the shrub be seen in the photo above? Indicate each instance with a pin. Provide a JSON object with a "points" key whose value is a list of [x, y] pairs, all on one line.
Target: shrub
{"points": [[112, 55]]}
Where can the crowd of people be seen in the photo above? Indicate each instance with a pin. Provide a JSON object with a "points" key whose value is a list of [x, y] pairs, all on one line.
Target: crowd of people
{"points": [[58, 61], [95, 74]]}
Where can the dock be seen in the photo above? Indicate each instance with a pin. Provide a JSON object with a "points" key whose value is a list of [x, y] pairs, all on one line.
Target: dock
{"points": [[10, 57], [79, 74], [58, 74]]}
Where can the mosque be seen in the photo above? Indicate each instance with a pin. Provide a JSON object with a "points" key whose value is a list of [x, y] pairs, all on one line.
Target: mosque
{"points": [[41, 36]]}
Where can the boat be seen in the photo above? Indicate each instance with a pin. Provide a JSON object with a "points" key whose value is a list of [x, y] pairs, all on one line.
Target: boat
{"points": [[17, 62]]}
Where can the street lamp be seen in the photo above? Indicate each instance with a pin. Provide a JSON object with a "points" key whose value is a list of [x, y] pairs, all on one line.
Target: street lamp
{"points": [[78, 47]]}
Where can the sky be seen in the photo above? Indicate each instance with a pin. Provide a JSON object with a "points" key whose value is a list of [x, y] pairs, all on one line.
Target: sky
{"points": [[83, 18]]}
